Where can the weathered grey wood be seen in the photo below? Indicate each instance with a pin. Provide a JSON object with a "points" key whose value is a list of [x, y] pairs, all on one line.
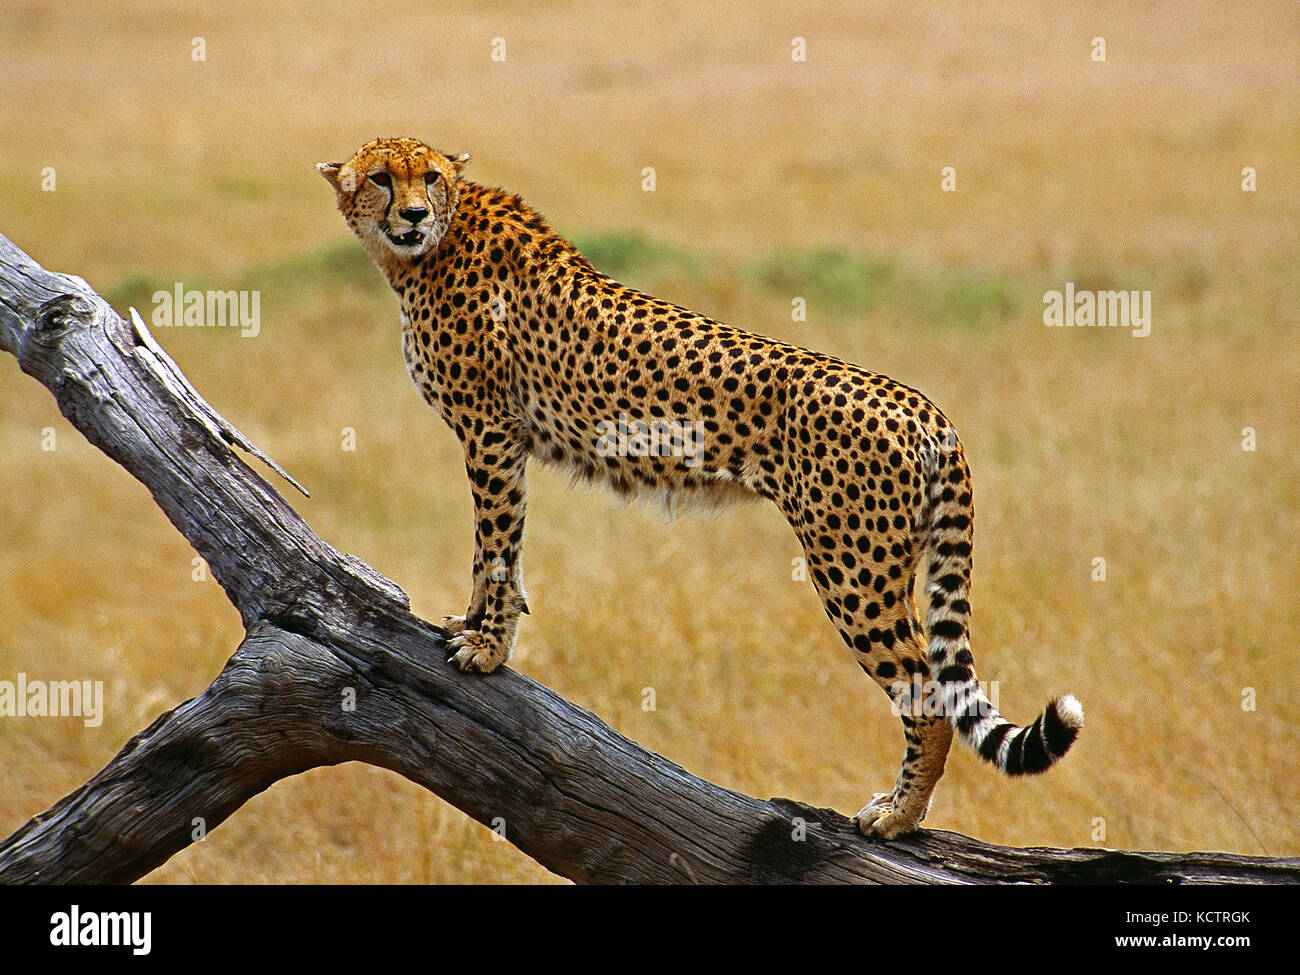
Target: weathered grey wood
{"points": [[335, 668]]}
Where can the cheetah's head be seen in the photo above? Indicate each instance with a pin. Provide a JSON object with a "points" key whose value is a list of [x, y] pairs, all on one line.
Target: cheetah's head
{"points": [[398, 195]]}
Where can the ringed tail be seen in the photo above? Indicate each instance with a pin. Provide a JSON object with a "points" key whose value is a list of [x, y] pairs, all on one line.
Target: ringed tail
{"points": [[1014, 749]]}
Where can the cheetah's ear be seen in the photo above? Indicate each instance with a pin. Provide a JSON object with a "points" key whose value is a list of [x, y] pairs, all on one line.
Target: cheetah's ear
{"points": [[457, 159], [339, 176]]}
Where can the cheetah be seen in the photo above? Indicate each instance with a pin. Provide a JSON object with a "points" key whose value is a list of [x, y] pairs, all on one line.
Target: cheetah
{"points": [[527, 351]]}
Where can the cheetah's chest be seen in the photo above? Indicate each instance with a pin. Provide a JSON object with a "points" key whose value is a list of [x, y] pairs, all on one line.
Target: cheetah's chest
{"points": [[415, 350]]}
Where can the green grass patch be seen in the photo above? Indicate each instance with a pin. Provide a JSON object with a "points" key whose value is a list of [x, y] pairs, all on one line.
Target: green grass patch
{"points": [[344, 263], [627, 256], [835, 280], [341, 265], [957, 297], [830, 278]]}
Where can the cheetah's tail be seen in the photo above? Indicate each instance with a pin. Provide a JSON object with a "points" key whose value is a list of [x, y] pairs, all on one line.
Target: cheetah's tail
{"points": [[1015, 749]]}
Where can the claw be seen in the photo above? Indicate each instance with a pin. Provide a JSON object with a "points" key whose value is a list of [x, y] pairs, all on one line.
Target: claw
{"points": [[475, 652]]}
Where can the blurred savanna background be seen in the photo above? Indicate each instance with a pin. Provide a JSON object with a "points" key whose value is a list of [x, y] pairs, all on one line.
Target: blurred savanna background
{"points": [[797, 152]]}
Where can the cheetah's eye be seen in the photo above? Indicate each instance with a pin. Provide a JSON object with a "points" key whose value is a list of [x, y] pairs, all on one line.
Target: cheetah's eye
{"points": [[381, 179], [431, 177]]}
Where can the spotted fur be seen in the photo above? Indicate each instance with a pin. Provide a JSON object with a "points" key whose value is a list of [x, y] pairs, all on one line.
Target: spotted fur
{"points": [[527, 351]]}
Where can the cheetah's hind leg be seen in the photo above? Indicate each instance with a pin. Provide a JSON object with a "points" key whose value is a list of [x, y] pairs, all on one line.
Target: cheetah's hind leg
{"points": [[892, 814]]}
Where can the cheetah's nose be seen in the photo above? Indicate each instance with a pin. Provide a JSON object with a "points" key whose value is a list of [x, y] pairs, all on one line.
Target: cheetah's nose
{"points": [[413, 215]]}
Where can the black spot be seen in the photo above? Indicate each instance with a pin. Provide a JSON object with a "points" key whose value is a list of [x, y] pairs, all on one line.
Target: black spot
{"points": [[949, 582], [953, 675], [949, 629]]}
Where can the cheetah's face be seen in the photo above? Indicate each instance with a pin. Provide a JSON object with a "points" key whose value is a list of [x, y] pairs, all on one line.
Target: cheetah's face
{"points": [[398, 195]]}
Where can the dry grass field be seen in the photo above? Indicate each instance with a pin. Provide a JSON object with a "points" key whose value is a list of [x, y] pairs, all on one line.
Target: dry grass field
{"points": [[775, 179]]}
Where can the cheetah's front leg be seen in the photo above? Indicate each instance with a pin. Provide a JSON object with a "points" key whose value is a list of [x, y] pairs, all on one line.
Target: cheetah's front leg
{"points": [[483, 638]]}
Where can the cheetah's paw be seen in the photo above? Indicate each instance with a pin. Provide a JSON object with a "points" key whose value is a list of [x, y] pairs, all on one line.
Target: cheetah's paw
{"points": [[879, 820], [473, 651]]}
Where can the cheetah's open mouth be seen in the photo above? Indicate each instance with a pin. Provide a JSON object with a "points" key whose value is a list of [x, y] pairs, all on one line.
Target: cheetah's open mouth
{"points": [[412, 238]]}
